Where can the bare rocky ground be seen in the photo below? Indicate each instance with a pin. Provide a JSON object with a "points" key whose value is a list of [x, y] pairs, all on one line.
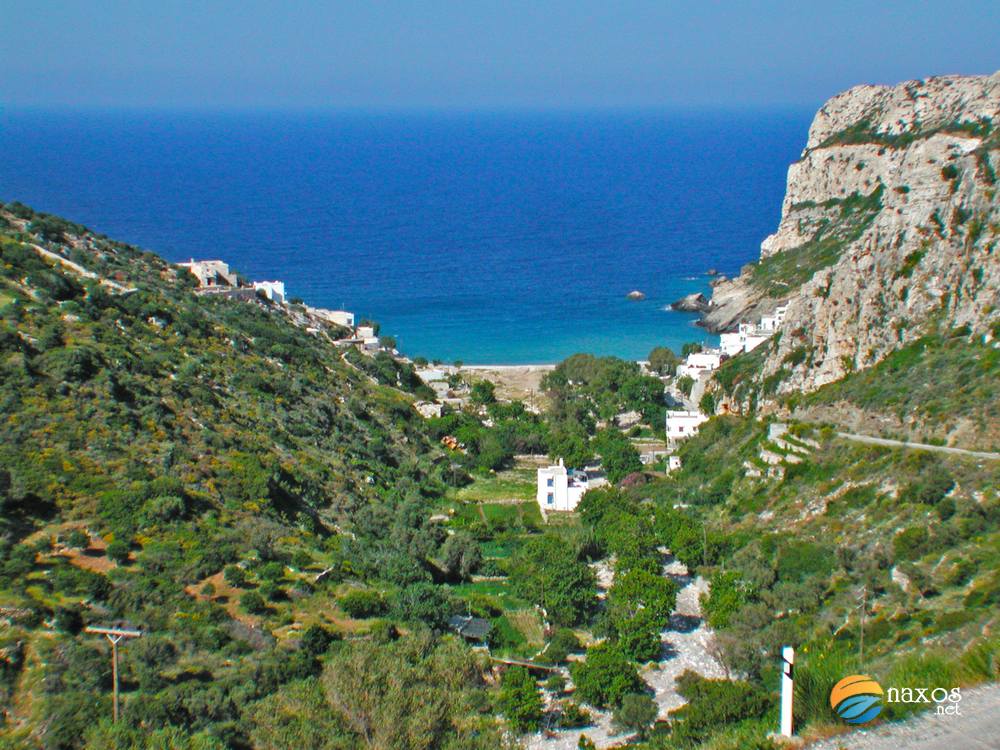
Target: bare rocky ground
{"points": [[686, 645]]}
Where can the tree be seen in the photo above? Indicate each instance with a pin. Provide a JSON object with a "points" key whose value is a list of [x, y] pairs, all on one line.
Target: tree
{"points": [[547, 571], [618, 456], [406, 694], [298, 716], [570, 446], [707, 403], [425, 602], [637, 713], [460, 555], [640, 590], [663, 361], [483, 393], [639, 638], [606, 676], [690, 347], [685, 384], [727, 593], [519, 699], [387, 342]]}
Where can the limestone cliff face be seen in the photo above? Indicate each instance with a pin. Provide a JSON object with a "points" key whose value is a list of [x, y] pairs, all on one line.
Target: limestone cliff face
{"points": [[890, 224]]}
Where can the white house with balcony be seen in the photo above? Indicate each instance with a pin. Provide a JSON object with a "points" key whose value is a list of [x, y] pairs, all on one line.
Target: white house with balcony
{"points": [[273, 290], [559, 488], [684, 424], [698, 363]]}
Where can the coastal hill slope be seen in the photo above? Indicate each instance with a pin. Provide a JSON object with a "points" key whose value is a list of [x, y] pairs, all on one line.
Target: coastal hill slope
{"points": [[888, 234], [205, 470]]}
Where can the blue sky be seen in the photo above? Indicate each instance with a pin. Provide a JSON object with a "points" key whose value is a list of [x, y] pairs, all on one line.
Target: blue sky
{"points": [[475, 54]]}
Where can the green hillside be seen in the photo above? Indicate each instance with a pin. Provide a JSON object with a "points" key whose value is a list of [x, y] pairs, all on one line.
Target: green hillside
{"points": [[205, 469], [292, 539]]}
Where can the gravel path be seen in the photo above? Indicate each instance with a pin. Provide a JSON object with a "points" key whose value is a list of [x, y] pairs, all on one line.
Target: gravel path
{"points": [[921, 446], [978, 728], [686, 644]]}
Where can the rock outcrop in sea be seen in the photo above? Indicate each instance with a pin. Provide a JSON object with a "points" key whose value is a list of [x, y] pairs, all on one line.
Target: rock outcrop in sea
{"points": [[696, 302], [890, 223]]}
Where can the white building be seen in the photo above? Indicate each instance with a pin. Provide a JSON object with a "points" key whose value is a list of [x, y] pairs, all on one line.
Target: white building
{"points": [[684, 424], [211, 273], [747, 338], [273, 290], [698, 363], [337, 317], [428, 409], [365, 332], [749, 335], [559, 488], [773, 322], [431, 374]]}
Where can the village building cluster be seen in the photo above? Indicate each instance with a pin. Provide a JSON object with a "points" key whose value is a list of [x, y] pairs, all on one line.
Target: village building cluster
{"points": [[748, 336], [215, 277]]}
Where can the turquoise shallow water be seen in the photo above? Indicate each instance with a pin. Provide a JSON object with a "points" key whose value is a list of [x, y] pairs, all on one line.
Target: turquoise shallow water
{"points": [[491, 238]]}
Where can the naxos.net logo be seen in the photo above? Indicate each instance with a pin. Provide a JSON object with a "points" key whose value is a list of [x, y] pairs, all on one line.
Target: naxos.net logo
{"points": [[857, 699]]}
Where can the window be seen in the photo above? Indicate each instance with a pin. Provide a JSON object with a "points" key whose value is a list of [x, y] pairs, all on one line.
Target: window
{"points": [[550, 481], [549, 499]]}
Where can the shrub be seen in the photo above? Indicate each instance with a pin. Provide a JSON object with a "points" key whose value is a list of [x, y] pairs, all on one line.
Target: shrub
{"points": [[556, 683], [563, 643], [270, 591], [118, 550], [910, 543], [519, 699], [727, 593], [713, 704], [78, 539], [235, 576], [361, 603], [316, 640], [637, 713], [929, 489], [253, 603], [272, 571], [573, 716]]}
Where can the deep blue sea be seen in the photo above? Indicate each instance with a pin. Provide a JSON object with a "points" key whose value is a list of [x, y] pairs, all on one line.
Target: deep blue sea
{"points": [[490, 238]]}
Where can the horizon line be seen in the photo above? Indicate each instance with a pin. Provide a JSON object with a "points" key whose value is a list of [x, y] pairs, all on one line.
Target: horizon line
{"points": [[322, 109]]}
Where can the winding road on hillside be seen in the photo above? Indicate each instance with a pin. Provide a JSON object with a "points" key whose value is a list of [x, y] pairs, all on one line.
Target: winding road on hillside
{"points": [[920, 446], [978, 728]]}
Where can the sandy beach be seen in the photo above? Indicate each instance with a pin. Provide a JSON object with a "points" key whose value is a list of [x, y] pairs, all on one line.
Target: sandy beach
{"points": [[520, 382]]}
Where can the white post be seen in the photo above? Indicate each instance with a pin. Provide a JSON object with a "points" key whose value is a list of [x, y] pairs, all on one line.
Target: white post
{"points": [[787, 661]]}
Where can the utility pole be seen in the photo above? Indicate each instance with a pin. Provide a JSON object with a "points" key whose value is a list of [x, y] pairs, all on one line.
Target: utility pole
{"points": [[114, 635], [863, 607]]}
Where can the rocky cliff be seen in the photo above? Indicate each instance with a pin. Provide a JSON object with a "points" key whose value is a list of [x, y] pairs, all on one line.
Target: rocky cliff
{"points": [[889, 228]]}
